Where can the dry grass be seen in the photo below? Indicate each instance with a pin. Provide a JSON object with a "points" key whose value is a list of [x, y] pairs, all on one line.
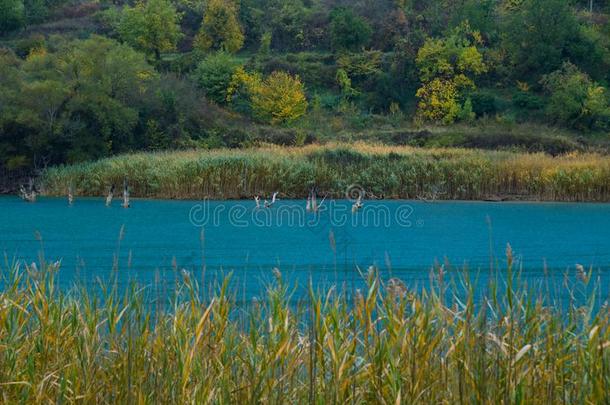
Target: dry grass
{"points": [[384, 171], [386, 345]]}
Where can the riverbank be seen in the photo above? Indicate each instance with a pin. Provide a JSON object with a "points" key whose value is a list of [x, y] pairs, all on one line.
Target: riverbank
{"points": [[395, 172], [386, 344]]}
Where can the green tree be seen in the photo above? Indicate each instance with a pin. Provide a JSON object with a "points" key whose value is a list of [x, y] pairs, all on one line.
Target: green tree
{"points": [[447, 67], [537, 35], [37, 11], [287, 19], [152, 26], [12, 15], [220, 29], [575, 100], [265, 44], [348, 31], [214, 74], [480, 14], [81, 101], [108, 80]]}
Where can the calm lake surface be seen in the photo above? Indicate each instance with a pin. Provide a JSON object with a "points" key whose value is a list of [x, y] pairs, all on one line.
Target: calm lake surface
{"points": [[401, 238]]}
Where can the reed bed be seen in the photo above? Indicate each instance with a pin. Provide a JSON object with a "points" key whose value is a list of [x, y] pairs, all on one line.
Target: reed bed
{"points": [[382, 171], [384, 345]]}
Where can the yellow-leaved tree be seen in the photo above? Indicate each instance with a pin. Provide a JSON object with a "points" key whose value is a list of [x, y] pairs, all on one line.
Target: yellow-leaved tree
{"points": [[277, 99], [220, 29], [447, 67]]}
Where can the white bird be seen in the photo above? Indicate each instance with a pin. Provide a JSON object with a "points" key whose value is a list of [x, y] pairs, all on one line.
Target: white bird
{"points": [[317, 207], [70, 196], [273, 198], [257, 199], [357, 205], [22, 192], [28, 196], [110, 196], [125, 194], [308, 205]]}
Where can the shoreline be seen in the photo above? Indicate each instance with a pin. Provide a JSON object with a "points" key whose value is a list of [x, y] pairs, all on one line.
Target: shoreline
{"points": [[524, 200], [338, 170]]}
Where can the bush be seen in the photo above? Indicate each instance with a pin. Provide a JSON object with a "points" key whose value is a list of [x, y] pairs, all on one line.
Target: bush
{"points": [[213, 75], [283, 136], [318, 71], [483, 104], [235, 137], [527, 101], [180, 64], [348, 31], [25, 46], [575, 100]]}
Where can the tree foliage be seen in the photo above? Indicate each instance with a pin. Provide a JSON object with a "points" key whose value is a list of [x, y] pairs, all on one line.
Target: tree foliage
{"points": [[447, 67], [575, 100], [280, 98], [220, 29], [276, 99], [348, 31], [214, 74], [152, 26], [537, 35], [73, 104], [66, 98]]}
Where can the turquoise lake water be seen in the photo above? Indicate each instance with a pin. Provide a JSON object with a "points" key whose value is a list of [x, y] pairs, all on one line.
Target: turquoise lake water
{"points": [[401, 238]]}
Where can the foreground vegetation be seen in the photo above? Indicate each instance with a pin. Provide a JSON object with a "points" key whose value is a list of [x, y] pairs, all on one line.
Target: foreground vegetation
{"points": [[382, 171], [385, 345]]}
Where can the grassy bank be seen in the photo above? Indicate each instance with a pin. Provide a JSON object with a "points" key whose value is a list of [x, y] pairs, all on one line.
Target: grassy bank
{"points": [[388, 346], [383, 171]]}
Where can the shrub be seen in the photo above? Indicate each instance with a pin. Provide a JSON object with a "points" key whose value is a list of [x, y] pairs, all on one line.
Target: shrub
{"points": [[575, 100], [348, 31], [466, 113], [527, 101], [318, 71], [438, 101], [213, 74], [483, 104], [25, 46]]}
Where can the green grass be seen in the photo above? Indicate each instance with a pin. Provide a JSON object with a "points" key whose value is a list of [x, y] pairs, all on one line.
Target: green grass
{"points": [[383, 171], [388, 346]]}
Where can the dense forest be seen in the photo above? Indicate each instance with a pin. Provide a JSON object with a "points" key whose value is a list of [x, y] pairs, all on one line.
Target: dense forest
{"points": [[80, 80]]}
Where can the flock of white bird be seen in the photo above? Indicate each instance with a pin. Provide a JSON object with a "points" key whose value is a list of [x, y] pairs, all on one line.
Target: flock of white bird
{"points": [[31, 194], [310, 206]]}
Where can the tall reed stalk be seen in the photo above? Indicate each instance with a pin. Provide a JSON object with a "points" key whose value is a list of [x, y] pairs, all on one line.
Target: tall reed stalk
{"points": [[384, 345], [383, 171]]}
